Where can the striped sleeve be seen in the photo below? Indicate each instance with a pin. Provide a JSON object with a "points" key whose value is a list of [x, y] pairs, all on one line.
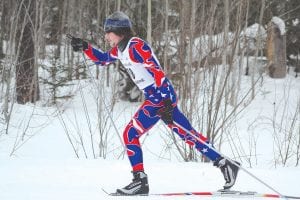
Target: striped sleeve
{"points": [[100, 57]]}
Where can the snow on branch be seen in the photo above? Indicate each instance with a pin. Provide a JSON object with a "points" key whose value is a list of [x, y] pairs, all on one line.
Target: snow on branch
{"points": [[280, 23]]}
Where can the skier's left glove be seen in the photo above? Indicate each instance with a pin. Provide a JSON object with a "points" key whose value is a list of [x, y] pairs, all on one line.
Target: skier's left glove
{"points": [[166, 112], [79, 44]]}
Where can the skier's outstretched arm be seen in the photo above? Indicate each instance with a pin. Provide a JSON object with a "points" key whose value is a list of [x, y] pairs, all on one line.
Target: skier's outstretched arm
{"points": [[96, 55]]}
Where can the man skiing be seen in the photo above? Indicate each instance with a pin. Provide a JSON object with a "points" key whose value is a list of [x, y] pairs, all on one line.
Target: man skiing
{"points": [[160, 100]]}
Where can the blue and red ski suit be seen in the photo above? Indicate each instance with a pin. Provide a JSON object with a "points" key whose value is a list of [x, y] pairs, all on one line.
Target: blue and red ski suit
{"points": [[145, 70]]}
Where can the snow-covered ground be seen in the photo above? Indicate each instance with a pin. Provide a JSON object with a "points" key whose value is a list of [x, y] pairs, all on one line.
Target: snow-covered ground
{"points": [[43, 165], [80, 179]]}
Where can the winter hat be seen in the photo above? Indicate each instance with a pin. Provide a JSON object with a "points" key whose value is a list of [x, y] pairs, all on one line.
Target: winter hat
{"points": [[116, 21]]}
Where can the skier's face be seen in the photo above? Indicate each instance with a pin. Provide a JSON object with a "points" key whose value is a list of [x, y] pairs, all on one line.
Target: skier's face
{"points": [[112, 38]]}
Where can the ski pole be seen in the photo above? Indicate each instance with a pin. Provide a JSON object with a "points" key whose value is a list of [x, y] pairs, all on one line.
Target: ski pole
{"points": [[229, 159], [105, 105], [103, 101]]}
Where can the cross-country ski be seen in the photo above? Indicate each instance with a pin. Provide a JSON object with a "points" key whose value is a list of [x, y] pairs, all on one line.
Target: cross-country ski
{"points": [[220, 193]]}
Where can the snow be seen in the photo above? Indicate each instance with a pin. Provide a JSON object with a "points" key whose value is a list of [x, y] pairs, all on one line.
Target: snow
{"points": [[295, 22], [280, 23], [37, 160], [77, 179], [251, 33], [253, 30], [44, 165]]}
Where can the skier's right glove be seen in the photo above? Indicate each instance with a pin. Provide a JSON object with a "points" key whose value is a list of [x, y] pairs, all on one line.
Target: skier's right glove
{"points": [[79, 44], [166, 112]]}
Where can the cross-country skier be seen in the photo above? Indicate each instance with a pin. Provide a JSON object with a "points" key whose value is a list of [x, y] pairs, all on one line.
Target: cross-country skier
{"points": [[160, 100]]}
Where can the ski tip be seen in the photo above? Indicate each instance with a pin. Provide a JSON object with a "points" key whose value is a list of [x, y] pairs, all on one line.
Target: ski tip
{"points": [[105, 191], [290, 197]]}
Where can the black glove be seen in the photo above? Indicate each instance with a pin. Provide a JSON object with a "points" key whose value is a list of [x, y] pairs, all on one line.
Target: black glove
{"points": [[166, 112], [79, 44]]}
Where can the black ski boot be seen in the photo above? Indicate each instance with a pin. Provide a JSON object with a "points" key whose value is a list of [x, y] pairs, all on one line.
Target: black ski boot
{"points": [[138, 186], [229, 171]]}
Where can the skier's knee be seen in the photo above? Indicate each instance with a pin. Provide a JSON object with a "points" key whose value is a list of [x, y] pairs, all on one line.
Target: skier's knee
{"points": [[130, 133]]}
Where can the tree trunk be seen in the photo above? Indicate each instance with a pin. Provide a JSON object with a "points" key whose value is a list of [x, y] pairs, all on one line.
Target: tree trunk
{"points": [[27, 89], [149, 23], [182, 44], [3, 11], [166, 47], [276, 52]]}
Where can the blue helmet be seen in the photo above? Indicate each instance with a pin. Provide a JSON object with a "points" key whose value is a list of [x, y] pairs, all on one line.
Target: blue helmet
{"points": [[117, 21]]}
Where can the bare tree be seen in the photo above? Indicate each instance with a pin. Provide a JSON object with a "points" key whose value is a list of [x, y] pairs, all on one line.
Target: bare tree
{"points": [[3, 13], [166, 32], [27, 87]]}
